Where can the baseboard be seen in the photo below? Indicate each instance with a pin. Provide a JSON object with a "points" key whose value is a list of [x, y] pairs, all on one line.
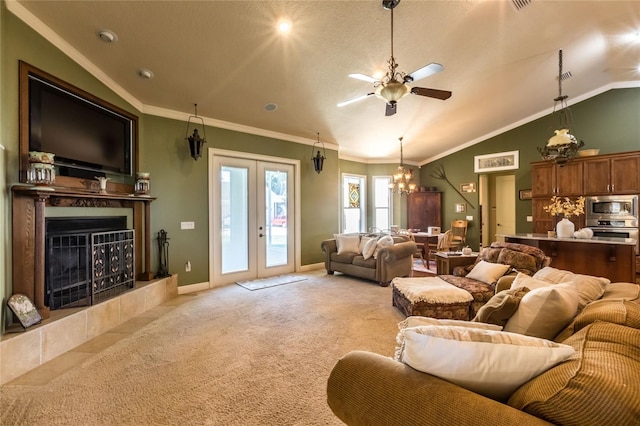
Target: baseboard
{"points": [[192, 288], [311, 267]]}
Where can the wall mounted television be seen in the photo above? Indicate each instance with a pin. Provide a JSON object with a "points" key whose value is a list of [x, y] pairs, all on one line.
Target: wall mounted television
{"points": [[89, 136]]}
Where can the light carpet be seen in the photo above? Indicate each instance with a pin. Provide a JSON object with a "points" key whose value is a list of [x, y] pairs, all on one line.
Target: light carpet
{"points": [[224, 357], [270, 282]]}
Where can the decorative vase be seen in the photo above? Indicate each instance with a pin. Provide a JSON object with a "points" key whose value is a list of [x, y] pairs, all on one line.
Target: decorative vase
{"points": [[565, 228]]}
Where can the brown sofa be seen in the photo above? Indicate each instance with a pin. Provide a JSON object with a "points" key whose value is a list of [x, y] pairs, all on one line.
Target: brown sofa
{"points": [[393, 261], [600, 386]]}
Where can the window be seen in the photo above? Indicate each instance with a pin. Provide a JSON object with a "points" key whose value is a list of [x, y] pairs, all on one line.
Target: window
{"points": [[353, 203], [382, 202]]}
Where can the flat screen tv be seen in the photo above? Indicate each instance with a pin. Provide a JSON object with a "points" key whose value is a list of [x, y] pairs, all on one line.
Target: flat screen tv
{"points": [[87, 135]]}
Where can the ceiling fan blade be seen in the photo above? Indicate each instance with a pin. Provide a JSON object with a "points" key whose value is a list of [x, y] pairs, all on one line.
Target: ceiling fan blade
{"points": [[350, 101], [363, 78], [423, 72], [392, 108], [431, 93]]}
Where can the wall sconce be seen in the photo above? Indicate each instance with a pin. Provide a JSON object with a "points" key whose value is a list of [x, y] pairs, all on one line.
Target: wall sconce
{"points": [[195, 141], [318, 160]]}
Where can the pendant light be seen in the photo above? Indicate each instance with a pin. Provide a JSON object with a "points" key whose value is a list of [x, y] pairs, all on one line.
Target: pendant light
{"points": [[195, 141]]}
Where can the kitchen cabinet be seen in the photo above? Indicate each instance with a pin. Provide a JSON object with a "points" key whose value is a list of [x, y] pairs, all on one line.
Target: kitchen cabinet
{"points": [[424, 210], [549, 179], [612, 175]]}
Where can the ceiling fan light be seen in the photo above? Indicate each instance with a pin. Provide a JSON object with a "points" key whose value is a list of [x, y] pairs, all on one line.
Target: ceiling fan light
{"points": [[394, 91]]}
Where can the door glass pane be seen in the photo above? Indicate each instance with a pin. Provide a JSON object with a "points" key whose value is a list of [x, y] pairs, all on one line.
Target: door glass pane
{"points": [[276, 214], [353, 203], [382, 202], [234, 215]]}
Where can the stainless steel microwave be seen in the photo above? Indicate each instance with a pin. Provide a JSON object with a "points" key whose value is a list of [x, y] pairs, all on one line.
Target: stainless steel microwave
{"points": [[612, 210]]}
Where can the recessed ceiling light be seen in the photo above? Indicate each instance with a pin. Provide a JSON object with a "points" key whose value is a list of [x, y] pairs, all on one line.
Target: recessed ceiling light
{"points": [[107, 36], [284, 26], [145, 73], [270, 107]]}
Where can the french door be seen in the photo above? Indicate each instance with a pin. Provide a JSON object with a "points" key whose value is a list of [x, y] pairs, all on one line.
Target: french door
{"points": [[253, 220]]}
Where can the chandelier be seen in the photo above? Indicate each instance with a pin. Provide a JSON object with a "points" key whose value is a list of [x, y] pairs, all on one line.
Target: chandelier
{"points": [[402, 178], [563, 146]]}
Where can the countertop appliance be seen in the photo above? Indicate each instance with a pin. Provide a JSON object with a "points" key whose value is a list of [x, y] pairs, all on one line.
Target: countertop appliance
{"points": [[613, 216]]}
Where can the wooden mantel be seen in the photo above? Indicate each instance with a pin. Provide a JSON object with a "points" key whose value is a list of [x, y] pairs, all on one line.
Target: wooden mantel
{"points": [[28, 227]]}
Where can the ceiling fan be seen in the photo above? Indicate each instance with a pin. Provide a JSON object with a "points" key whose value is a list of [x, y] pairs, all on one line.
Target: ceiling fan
{"points": [[393, 86]]}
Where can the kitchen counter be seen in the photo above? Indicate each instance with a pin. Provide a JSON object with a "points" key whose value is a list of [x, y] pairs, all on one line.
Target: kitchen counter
{"points": [[596, 240], [613, 258]]}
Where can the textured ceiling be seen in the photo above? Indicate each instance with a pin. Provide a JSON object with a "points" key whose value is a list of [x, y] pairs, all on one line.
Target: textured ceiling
{"points": [[501, 63]]}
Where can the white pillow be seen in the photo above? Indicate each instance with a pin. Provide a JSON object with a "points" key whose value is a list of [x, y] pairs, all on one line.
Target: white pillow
{"points": [[347, 243], [491, 363], [589, 288], [418, 321], [363, 242], [369, 248], [544, 312], [384, 241], [488, 272], [524, 280]]}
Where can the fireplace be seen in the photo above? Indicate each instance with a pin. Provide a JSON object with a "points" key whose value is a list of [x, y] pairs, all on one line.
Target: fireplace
{"points": [[88, 260]]}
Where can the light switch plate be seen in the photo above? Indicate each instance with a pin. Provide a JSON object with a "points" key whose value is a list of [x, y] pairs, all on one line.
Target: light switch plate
{"points": [[187, 225], [529, 218], [469, 218]]}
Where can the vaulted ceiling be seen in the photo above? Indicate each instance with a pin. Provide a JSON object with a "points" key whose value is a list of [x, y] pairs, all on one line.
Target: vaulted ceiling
{"points": [[500, 61]]}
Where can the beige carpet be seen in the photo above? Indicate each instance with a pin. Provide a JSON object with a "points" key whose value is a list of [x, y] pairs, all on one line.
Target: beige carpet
{"points": [[226, 357]]}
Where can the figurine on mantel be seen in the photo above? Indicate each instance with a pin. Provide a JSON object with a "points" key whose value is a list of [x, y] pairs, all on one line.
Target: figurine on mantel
{"points": [[103, 183]]}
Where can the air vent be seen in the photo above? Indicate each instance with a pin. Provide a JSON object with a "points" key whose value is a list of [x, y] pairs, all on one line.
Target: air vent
{"points": [[520, 4]]}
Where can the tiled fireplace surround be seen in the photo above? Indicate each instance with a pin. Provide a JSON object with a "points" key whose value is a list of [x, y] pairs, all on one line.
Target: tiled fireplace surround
{"points": [[64, 329], [67, 328]]}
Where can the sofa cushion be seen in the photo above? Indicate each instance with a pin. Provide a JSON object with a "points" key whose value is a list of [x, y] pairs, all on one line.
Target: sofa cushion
{"points": [[359, 260], [501, 307], [487, 272], [522, 262], [589, 288], [600, 386], [491, 363], [614, 311], [347, 243], [544, 311]]}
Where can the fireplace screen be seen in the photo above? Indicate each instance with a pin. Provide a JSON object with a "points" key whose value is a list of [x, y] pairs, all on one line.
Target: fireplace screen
{"points": [[112, 258], [88, 268]]}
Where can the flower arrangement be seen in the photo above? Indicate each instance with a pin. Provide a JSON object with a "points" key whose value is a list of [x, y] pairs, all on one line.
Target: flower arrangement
{"points": [[564, 206]]}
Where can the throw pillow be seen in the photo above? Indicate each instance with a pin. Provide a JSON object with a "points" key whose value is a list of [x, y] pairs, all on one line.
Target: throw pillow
{"points": [[524, 280], [385, 241], [589, 288], [519, 261], [347, 243], [418, 321], [363, 242], [369, 248], [491, 363], [488, 272], [544, 312], [501, 307]]}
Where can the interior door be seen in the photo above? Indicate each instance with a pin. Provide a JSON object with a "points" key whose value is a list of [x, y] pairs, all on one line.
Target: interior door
{"points": [[252, 220], [505, 205]]}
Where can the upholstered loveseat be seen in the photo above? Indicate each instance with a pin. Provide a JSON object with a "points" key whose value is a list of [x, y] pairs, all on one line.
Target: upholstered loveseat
{"points": [[388, 262], [599, 384]]}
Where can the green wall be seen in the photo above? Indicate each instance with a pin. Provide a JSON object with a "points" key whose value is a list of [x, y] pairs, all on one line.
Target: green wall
{"points": [[609, 121], [4, 202], [179, 183]]}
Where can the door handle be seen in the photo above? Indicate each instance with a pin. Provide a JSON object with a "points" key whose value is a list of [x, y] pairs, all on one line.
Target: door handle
{"points": [[260, 235]]}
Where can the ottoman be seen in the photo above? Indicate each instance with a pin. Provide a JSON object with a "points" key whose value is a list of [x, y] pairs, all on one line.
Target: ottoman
{"points": [[430, 297]]}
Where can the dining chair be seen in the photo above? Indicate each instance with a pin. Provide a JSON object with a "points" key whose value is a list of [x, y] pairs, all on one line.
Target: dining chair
{"points": [[459, 231]]}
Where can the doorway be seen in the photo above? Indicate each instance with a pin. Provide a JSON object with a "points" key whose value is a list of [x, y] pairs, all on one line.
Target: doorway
{"points": [[252, 216], [498, 206]]}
